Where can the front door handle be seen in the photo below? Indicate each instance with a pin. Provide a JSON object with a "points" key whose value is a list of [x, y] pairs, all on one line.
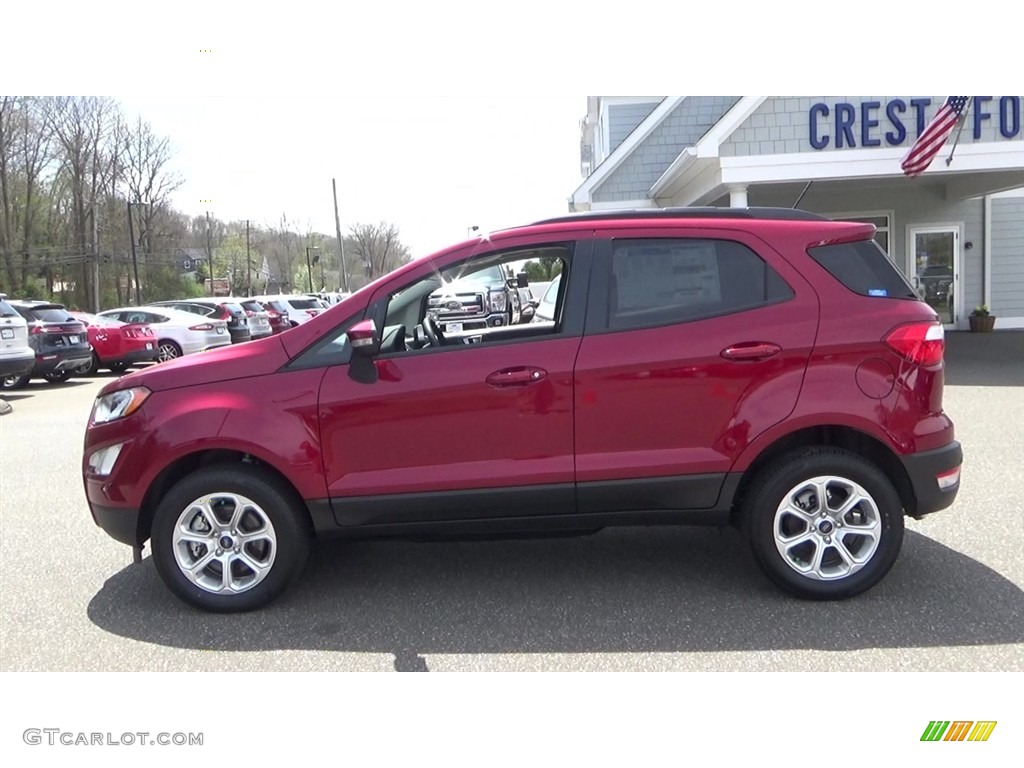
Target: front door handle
{"points": [[751, 350], [516, 377]]}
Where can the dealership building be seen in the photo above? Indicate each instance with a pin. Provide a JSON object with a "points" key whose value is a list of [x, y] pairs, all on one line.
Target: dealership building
{"points": [[957, 230]]}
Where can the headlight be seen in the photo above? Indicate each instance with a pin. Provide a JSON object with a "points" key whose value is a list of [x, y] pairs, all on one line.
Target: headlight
{"points": [[499, 302], [118, 404]]}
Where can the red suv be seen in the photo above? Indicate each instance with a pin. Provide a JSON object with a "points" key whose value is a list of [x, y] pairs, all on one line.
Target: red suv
{"points": [[764, 368]]}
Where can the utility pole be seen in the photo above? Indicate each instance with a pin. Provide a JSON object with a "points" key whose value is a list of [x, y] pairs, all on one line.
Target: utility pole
{"points": [[95, 260], [209, 251], [341, 240], [135, 259], [248, 262]]}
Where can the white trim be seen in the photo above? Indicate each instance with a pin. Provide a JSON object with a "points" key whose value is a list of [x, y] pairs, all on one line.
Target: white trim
{"points": [[711, 142], [615, 205], [959, 319], [986, 252], [625, 149], [615, 101], [865, 163], [707, 146]]}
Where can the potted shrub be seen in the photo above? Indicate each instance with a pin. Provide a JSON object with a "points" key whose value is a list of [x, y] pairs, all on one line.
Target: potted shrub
{"points": [[982, 321]]}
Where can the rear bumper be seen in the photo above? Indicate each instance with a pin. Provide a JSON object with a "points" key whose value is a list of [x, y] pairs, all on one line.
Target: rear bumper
{"points": [[924, 469], [135, 356], [16, 366], [50, 362]]}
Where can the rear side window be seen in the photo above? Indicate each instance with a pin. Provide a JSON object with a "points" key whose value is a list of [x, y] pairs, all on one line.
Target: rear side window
{"points": [[304, 304], [659, 282], [52, 315], [6, 310], [864, 268]]}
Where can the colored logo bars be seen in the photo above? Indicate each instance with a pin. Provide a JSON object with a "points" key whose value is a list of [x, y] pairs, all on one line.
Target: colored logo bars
{"points": [[958, 730]]}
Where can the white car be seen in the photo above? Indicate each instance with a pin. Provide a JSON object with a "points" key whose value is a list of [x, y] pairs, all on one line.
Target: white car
{"points": [[16, 356], [545, 312], [301, 309], [178, 333]]}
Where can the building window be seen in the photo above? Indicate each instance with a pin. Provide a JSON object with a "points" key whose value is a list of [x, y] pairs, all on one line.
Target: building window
{"points": [[882, 222]]}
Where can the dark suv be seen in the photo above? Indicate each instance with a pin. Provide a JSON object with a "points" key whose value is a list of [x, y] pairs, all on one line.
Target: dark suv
{"points": [[219, 309], [766, 369], [60, 342]]}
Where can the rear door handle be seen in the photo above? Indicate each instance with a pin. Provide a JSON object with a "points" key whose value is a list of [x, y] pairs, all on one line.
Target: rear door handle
{"points": [[516, 377], [751, 350]]}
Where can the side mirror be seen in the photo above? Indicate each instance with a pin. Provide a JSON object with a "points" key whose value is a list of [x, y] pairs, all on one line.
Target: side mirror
{"points": [[364, 338], [534, 303], [522, 280]]}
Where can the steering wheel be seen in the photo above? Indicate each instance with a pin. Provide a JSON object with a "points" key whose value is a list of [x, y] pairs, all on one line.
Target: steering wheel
{"points": [[432, 331]]}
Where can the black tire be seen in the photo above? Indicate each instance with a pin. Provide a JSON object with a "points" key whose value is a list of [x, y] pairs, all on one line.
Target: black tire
{"points": [[58, 377], [15, 382], [168, 350], [118, 367], [272, 499], [92, 368], [821, 560]]}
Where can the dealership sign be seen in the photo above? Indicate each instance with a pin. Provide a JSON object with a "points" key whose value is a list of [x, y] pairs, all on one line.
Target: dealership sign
{"points": [[873, 123]]}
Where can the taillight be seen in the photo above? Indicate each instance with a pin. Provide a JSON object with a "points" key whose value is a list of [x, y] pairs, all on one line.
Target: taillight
{"points": [[202, 327], [920, 343], [36, 328]]}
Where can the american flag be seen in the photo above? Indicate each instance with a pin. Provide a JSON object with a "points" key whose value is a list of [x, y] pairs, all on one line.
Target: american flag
{"points": [[934, 136]]}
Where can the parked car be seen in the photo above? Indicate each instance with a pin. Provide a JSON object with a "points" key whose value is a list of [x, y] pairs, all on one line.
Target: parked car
{"points": [[476, 300], [16, 356], [299, 309], [178, 333], [545, 312], [277, 314], [220, 309], [116, 345], [768, 369], [257, 315], [528, 305], [58, 340]]}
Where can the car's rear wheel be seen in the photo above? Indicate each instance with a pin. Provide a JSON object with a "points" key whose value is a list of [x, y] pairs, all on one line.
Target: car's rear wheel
{"points": [[14, 382], [823, 523], [229, 538], [92, 368], [168, 350], [58, 377]]}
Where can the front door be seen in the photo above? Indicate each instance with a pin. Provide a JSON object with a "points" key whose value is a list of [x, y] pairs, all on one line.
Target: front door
{"points": [[935, 270]]}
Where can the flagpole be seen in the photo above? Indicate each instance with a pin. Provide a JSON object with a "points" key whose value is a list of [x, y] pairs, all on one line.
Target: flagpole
{"points": [[963, 119]]}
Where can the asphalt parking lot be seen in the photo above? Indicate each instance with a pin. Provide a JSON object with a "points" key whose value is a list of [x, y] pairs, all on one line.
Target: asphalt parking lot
{"points": [[629, 599]]}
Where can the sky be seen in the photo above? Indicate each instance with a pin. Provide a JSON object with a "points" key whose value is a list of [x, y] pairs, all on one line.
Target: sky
{"points": [[433, 166]]}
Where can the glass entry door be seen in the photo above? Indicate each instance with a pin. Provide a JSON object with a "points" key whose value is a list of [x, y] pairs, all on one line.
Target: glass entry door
{"points": [[935, 269]]}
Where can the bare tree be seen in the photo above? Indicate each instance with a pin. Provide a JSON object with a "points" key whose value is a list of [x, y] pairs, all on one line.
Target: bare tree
{"points": [[146, 175], [377, 246]]}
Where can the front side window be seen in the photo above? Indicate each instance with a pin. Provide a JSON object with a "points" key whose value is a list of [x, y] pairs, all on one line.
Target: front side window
{"points": [[474, 302], [665, 281]]}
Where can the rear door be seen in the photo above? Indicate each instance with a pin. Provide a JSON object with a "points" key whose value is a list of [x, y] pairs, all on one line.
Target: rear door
{"points": [[696, 342]]}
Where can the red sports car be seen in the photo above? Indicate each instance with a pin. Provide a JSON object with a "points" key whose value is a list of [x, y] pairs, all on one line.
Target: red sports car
{"points": [[117, 345]]}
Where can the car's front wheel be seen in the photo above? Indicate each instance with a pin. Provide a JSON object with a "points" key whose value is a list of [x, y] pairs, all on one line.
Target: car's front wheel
{"points": [[229, 538], [823, 523]]}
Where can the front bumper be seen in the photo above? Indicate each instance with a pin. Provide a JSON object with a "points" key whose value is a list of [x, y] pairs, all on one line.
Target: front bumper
{"points": [[924, 470], [120, 523]]}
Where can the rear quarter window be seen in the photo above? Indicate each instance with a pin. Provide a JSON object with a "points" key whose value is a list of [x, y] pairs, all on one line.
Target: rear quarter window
{"points": [[864, 268]]}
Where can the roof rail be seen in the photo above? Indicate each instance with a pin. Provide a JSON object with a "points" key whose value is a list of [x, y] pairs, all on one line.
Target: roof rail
{"points": [[706, 212]]}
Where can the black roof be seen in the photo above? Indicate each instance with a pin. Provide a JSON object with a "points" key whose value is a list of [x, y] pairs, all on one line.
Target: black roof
{"points": [[707, 212]]}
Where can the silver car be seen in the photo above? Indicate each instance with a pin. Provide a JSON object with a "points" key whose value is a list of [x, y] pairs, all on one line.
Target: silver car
{"points": [[178, 333]]}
